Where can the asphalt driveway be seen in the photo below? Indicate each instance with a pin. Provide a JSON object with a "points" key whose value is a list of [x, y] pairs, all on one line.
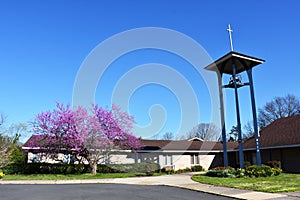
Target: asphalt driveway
{"points": [[101, 192]]}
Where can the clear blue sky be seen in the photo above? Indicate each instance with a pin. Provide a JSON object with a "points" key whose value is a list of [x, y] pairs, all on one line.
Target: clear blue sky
{"points": [[43, 44]]}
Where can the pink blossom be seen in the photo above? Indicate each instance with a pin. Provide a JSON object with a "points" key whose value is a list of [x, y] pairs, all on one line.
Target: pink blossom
{"points": [[91, 134]]}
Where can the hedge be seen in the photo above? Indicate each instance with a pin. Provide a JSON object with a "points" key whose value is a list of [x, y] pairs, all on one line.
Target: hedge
{"points": [[251, 171], [46, 168], [145, 167]]}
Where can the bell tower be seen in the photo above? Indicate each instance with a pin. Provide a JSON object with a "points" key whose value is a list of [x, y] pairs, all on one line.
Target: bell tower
{"points": [[233, 64]]}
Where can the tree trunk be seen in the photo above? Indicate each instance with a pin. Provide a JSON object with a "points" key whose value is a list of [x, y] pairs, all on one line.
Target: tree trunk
{"points": [[94, 168]]}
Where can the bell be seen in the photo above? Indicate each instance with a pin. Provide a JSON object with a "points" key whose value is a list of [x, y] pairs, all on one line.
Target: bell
{"points": [[238, 80]]}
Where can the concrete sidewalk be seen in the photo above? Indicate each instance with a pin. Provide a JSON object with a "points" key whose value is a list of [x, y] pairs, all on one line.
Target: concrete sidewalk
{"points": [[178, 180]]}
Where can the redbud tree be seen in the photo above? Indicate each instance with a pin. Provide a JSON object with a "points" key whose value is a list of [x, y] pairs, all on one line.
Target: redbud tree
{"points": [[91, 133]]}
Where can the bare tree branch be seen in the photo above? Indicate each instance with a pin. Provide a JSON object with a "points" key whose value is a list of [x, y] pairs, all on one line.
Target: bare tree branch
{"points": [[168, 136], [248, 130], [278, 108], [204, 131]]}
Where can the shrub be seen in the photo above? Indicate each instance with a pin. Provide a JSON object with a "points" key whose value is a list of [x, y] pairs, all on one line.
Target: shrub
{"points": [[223, 168], [47, 168], [239, 173], [187, 169], [17, 162], [274, 164], [262, 171], [107, 169], [197, 168], [80, 168], [1, 174], [179, 171], [247, 164], [12, 169], [31, 168], [221, 172], [276, 171], [170, 171], [251, 171], [70, 170], [145, 167]]}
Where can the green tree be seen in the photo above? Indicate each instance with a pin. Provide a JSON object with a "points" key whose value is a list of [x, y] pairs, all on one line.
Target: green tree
{"points": [[5, 150], [233, 134], [10, 150]]}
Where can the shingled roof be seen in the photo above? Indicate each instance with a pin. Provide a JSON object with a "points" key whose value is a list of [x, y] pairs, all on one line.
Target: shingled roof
{"points": [[153, 145], [284, 132], [35, 140], [185, 145]]}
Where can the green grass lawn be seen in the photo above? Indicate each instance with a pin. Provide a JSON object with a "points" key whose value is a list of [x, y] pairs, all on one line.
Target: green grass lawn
{"points": [[69, 176], [273, 184]]}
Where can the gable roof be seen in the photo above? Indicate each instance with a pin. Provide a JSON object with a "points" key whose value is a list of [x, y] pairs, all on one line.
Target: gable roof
{"points": [[284, 132], [185, 145], [155, 145], [195, 139], [34, 140]]}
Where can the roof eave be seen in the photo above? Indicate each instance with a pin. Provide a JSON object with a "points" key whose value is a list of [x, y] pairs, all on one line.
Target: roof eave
{"points": [[215, 65]]}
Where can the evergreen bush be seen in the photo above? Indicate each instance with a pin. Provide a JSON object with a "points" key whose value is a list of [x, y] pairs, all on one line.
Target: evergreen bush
{"points": [[221, 172], [259, 171], [197, 168], [251, 171], [274, 164], [144, 167]]}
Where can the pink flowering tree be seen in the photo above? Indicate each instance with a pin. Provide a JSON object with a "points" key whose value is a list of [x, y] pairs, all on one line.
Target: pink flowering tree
{"points": [[92, 134], [57, 131]]}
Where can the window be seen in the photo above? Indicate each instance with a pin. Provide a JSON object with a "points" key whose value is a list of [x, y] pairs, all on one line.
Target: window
{"points": [[195, 159], [168, 160], [34, 158], [192, 160]]}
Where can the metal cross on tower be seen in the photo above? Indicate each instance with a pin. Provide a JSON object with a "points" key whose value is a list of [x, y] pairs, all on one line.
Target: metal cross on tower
{"points": [[230, 36]]}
